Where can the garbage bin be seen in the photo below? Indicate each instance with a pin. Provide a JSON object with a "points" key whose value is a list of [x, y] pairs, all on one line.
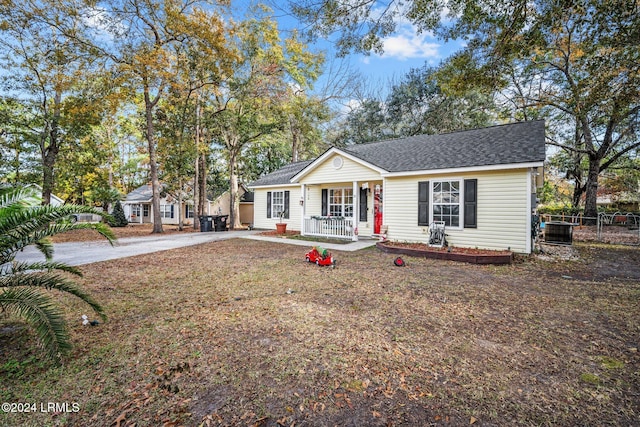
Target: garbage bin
{"points": [[206, 223], [220, 222]]}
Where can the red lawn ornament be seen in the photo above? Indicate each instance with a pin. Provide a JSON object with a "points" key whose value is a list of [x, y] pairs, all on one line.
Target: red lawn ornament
{"points": [[320, 256]]}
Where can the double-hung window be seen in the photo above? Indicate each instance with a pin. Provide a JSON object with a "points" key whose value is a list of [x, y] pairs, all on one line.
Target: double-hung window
{"points": [[166, 211], [452, 201], [188, 211], [278, 204], [446, 202], [135, 210], [341, 202]]}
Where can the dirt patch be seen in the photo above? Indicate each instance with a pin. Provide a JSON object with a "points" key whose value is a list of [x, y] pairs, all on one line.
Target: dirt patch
{"points": [[247, 333]]}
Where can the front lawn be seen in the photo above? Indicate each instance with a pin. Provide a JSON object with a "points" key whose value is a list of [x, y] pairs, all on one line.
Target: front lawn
{"points": [[247, 333]]}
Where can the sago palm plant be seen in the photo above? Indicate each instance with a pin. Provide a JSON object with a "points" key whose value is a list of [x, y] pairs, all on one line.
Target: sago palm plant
{"points": [[23, 222]]}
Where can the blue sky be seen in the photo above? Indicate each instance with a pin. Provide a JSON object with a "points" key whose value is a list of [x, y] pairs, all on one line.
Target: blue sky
{"points": [[403, 50]]}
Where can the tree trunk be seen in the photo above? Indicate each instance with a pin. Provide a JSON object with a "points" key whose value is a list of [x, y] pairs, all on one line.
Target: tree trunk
{"points": [[234, 201], [153, 162], [202, 192], [197, 206], [295, 139], [196, 195], [591, 191], [180, 221], [50, 152]]}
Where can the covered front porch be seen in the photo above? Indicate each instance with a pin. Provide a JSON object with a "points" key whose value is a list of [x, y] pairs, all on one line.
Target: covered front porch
{"points": [[342, 210]]}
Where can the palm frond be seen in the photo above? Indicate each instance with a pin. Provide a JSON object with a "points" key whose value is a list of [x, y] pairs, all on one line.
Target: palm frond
{"points": [[34, 225], [18, 198], [25, 267], [24, 222], [42, 315], [51, 281]]}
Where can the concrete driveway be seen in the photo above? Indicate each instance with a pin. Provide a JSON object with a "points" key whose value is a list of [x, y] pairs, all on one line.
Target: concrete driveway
{"points": [[79, 253]]}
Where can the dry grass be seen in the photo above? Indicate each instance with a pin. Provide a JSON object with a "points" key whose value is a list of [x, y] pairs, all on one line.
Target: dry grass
{"points": [[131, 230], [246, 333]]}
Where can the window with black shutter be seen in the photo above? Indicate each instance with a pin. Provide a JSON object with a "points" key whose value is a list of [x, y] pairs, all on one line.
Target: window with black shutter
{"points": [[470, 203], [286, 204], [363, 204], [268, 204], [423, 203], [325, 202]]}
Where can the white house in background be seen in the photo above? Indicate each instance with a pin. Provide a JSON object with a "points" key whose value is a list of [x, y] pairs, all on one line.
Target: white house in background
{"points": [[480, 183], [55, 200], [222, 204], [137, 207]]}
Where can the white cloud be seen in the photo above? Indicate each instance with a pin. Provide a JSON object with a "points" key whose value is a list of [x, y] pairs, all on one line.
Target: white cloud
{"points": [[409, 45]]}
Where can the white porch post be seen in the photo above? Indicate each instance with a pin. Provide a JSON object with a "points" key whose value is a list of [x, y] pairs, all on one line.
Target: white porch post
{"points": [[303, 208], [150, 213], [356, 212], [141, 214]]}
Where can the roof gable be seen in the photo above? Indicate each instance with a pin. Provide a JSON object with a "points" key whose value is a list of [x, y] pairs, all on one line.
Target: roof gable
{"points": [[143, 193], [327, 156]]}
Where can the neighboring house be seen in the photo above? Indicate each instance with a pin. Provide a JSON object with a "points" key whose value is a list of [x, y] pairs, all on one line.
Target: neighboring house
{"points": [[137, 207], [55, 200], [222, 204], [481, 183]]}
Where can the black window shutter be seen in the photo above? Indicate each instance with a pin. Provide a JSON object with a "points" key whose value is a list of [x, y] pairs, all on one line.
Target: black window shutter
{"points": [[268, 204], [363, 204], [325, 201], [172, 206], [286, 204], [423, 203], [470, 203]]}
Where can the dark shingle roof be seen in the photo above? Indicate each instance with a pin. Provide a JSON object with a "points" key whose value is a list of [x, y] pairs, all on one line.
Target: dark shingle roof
{"points": [[521, 142], [140, 194], [281, 176]]}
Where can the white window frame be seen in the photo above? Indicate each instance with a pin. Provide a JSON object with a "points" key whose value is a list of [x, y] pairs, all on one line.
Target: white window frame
{"points": [[145, 210], [165, 211], [135, 210], [277, 204], [340, 204], [441, 196]]}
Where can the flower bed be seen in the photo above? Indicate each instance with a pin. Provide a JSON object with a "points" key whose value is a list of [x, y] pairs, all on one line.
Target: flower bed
{"points": [[473, 256]]}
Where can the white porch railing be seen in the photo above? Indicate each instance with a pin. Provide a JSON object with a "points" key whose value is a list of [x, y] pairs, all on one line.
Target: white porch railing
{"points": [[339, 228]]}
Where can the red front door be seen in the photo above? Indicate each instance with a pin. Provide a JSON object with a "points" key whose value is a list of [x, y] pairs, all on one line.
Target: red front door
{"points": [[377, 209]]}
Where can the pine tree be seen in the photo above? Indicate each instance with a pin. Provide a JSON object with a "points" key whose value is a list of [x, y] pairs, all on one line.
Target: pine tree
{"points": [[118, 217]]}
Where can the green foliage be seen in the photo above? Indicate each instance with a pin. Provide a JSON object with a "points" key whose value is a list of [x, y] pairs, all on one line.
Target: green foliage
{"points": [[118, 217], [417, 104], [23, 222]]}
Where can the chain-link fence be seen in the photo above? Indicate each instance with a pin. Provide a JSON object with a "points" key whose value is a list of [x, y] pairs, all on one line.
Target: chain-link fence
{"points": [[621, 228]]}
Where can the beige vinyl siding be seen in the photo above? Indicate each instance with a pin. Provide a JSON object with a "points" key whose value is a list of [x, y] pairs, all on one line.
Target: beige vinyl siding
{"points": [[314, 200], [502, 214], [350, 171], [325, 175], [260, 219]]}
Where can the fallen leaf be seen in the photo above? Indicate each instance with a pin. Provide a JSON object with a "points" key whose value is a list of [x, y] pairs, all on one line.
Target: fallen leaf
{"points": [[472, 420]]}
